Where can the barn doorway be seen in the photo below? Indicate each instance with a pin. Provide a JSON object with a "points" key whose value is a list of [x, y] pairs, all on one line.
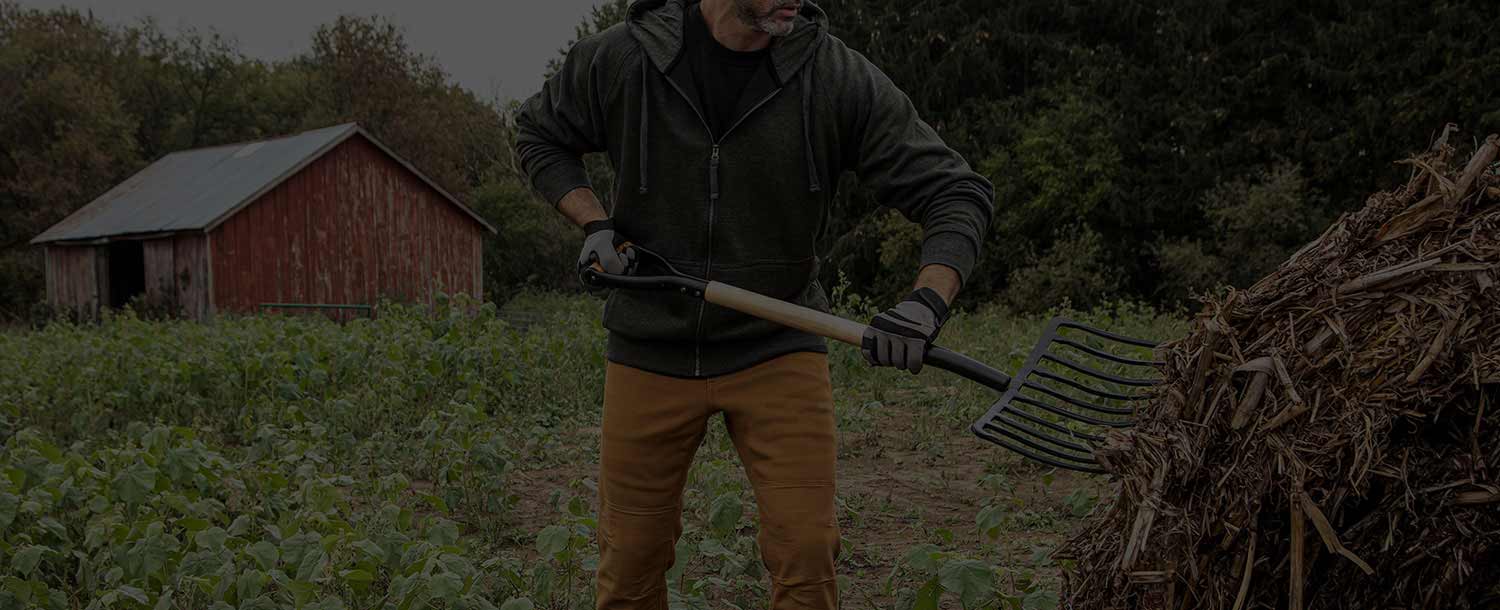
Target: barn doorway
{"points": [[127, 272]]}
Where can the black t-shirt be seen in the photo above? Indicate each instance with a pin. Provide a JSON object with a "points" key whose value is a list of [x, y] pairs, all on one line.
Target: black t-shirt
{"points": [[721, 74]]}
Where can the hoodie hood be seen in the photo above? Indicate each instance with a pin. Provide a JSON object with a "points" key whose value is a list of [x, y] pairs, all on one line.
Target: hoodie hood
{"points": [[658, 26]]}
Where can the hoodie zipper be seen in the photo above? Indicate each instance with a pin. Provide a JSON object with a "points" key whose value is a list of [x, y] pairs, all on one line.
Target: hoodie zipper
{"points": [[713, 200], [714, 161]]}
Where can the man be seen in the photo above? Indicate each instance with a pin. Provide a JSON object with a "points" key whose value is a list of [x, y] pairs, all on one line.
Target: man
{"points": [[728, 123]]}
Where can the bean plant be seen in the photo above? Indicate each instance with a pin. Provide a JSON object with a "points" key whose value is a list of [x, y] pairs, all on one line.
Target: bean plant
{"points": [[442, 456]]}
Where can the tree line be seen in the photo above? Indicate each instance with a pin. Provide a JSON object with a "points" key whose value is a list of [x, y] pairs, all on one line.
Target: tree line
{"points": [[1159, 149], [85, 104], [1140, 150]]}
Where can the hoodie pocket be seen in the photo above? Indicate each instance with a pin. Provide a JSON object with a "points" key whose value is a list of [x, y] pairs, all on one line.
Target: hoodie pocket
{"points": [[654, 315]]}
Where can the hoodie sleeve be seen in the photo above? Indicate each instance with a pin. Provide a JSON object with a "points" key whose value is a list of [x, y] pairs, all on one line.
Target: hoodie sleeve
{"points": [[912, 171], [563, 121]]}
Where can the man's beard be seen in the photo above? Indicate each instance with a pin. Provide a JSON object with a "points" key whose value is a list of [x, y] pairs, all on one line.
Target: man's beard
{"points": [[768, 22]]}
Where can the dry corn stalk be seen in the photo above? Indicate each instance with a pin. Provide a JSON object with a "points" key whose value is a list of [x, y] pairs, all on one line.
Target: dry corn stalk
{"points": [[1365, 401]]}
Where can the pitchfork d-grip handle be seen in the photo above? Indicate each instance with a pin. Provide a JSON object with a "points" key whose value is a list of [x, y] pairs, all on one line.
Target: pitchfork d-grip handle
{"points": [[794, 316]]}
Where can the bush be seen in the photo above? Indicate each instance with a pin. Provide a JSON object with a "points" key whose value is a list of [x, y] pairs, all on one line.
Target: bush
{"points": [[900, 247], [1076, 271], [1187, 270], [22, 277], [535, 247], [1060, 167], [1262, 220], [1256, 223]]}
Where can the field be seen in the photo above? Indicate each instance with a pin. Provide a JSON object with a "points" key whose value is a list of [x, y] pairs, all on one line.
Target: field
{"points": [[414, 461]]}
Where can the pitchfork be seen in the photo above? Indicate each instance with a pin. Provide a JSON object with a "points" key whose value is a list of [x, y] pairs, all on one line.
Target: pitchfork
{"points": [[1077, 383]]}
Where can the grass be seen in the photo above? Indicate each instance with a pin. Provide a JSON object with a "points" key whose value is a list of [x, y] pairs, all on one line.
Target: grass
{"points": [[416, 461]]}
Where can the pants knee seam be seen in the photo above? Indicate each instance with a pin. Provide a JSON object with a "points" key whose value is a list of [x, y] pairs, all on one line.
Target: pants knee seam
{"points": [[810, 583], [807, 484], [640, 512]]}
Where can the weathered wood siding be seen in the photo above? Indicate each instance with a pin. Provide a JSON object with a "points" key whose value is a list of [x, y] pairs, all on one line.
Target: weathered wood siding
{"points": [[190, 275], [161, 270], [73, 279], [176, 270], [352, 227]]}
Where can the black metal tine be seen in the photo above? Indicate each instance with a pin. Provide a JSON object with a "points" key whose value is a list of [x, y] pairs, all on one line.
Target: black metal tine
{"points": [[1076, 402], [1030, 438], [1062, 323], [1084, 388], [1054, 442], [1098, 374], [1103, 355], [1072, 461], [1022, 421], [1060, 412], [1042, 422], [1071, 464], [1073, 415]]}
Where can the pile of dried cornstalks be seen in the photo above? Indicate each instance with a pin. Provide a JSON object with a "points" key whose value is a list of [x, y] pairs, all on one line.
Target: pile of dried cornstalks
{"points": [[1330, 437]]}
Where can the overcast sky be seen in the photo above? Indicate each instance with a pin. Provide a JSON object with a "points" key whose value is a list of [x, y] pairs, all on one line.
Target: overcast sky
{"points": [[490, 46]]}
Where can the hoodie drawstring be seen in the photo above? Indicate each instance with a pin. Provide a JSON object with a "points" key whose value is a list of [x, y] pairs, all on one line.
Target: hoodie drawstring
{"points": [[813, 185], [645, 122]]}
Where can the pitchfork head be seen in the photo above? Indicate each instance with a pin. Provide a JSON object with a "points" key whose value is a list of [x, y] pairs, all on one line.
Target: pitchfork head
{"points": [[1077, 384]]}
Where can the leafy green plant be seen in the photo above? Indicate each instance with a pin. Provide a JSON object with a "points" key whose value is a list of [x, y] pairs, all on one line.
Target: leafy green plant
{"points": [[158, 518], [1080, 501], [290, 462], [971, 581]]}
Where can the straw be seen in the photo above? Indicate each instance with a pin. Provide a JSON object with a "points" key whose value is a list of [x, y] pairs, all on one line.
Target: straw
{"points": [[1343, 449]]}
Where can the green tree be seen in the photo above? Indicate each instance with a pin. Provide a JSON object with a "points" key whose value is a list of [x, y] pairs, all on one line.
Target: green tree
{"points": [[1156, 138], [601, 17], [66, 132], [88, 104], [536, 247], [1190, 94], [193, 89], [362, 69], [1257, 222], [1076, 271]]}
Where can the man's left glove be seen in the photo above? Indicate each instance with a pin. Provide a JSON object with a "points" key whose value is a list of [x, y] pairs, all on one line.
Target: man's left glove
{"points": [[900, 336], [601, 244]]}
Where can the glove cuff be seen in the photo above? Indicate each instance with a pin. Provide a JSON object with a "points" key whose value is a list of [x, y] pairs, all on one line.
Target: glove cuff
{"points": [[933, 301], [608, 224]]}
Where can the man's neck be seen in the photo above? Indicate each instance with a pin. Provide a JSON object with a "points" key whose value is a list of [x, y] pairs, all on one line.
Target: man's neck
{"points": [[732, 32]]}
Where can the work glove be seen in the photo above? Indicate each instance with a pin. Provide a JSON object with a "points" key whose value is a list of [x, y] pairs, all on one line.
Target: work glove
{"points": [[601, 244], [900, 336]]}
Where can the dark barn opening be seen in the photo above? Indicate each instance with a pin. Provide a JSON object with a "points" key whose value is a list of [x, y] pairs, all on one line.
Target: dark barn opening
{"points": [[127, 272]]}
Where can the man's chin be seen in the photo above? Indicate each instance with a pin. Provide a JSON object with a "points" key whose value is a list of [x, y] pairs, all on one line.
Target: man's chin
{"points": [[777, 26]]}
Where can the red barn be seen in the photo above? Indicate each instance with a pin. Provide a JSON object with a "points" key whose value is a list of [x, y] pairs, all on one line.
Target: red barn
{"points": [[327, 219]]}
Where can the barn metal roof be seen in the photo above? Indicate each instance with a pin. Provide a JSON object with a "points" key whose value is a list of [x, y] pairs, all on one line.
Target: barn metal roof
{"points": [[196, 190]]}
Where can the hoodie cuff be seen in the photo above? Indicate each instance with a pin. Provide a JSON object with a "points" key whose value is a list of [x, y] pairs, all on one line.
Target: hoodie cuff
{"points": [[559, 179], [950, 249]]}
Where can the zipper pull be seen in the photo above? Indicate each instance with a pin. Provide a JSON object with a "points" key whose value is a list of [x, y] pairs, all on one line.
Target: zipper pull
{"points": [[713, 174]]}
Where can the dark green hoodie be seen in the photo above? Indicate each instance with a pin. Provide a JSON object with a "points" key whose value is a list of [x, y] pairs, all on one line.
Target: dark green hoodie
{"points": [[749, 209]]}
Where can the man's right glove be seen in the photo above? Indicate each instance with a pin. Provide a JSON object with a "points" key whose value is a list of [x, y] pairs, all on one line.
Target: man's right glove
{"points": [[601, 244], [900, 336]]}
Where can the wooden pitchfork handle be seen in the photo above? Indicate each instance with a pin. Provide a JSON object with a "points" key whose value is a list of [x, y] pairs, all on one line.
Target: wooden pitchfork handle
{"points": [[781, 312]]}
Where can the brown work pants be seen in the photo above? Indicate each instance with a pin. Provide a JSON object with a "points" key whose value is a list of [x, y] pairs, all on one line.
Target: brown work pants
{"points": [[779, 415]]}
